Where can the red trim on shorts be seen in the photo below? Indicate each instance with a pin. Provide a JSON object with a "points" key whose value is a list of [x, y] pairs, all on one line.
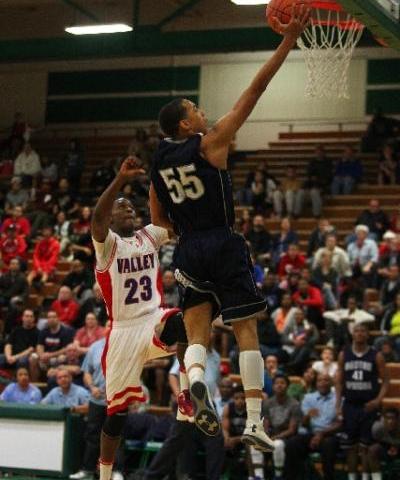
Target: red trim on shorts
{"points": [[123, 406], [124, 392], [104, 281]]}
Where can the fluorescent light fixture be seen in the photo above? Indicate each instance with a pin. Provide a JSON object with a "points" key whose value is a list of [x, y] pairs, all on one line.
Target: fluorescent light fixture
{"points": [[96, 29], [250, 2]]}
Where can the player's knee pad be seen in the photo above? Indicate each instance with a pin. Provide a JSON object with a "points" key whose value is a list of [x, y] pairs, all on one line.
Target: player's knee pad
{"points": [[114, 424], [251, 370], [174, 331]]}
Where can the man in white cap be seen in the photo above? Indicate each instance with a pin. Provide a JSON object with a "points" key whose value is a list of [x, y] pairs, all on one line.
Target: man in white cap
{"points": [[363, 255]]}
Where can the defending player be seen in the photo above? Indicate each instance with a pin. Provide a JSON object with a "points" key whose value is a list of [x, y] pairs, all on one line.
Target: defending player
{"points": [[127, 271], [360, 368], [191, 192]]}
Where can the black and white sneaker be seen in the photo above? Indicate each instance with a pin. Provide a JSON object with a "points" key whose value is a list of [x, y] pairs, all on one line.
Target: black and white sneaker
{"points": [[255, 436], [205, 416]]}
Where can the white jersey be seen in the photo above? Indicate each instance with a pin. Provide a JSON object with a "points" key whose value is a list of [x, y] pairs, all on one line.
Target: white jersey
{"points": [[127, 270]]}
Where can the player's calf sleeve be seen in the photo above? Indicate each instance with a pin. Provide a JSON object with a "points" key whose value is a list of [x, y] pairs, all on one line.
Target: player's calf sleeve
{"points": [[114, 424], [252, 372], [195, 355], [110, 440]]}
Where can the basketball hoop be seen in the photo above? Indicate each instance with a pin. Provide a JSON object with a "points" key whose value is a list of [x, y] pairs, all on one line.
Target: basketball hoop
{"points": [[328, 44]]}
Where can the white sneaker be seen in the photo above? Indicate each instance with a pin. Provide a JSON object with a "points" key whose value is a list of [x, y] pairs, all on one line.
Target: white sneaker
{"points": [[181, 417], [82, 474], [254, 435], [205, 416], [117, 476]]}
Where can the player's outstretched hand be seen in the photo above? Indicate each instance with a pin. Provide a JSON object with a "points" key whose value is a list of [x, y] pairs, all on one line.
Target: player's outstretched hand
{"points": [[300, 18], [130, 168]]}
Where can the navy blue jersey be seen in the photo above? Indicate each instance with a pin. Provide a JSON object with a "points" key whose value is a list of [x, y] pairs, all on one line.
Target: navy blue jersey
{"points": [[360, 376], [237, 420], [195, 195]]}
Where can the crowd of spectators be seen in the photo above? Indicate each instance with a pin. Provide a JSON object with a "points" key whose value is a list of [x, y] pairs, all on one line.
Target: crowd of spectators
{"points": [[53, 319]]}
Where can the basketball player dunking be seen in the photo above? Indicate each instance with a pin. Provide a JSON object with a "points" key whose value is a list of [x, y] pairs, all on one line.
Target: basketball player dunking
{"points": [[191, 192], [127, 270]]}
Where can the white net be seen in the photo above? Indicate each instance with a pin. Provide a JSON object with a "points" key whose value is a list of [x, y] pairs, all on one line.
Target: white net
{"points": [[328, 45]]}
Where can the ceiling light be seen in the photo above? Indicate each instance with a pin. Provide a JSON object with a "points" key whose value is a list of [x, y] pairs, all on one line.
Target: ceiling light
{"points": [[96, 29], [250, 2]]}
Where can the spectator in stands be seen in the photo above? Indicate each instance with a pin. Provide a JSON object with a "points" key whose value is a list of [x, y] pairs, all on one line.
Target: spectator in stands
{"points": [[16, 196], [340, 258], [95, 304], [292, 261], [395, 221], [388, 166], [45, 258], [102, 177], [389, 253], [290, 191], [319, 426], [327, 364], [225, 389], [380, 129], [260, 239], [270, 340], [390, 325], [309, 299], [390, 287], [348, 173], [21, 223], [319, 178], [52, 346], [65, 199], [282, 240], [170, 289], [88, 334], [271, 369], [63, 231], [65, 306], [271, 291], [284, 315], [298, 389], [80, 280], [41, 206], [75, 163], [282, 417], [21, 343], [359, 396], [67, 394], [326, 278], [318, 236], [386, 449], [81, 245], [12, 246], [339, 323], [299, 339], [22, 391], [386, 347], [375, 219], [363, 256], [49, 170], [13, 285], [258, 192], [27, 165]]}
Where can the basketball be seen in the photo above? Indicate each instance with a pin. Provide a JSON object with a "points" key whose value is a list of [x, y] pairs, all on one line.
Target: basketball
{"points": [[282, 10]]}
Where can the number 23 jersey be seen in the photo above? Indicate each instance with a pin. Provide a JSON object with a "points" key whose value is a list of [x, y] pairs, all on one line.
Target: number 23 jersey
{"points": [[128, 273]]}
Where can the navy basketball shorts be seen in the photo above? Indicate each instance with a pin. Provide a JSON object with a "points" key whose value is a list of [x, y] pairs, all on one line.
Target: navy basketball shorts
{"points": [[215, 266], [357, 425]]}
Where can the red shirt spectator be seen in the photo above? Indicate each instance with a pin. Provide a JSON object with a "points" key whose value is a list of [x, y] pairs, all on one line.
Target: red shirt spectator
{"points": [[291, 262], [22, 224], [12, 246], [46, 253], [67, 309], [307, 296]]}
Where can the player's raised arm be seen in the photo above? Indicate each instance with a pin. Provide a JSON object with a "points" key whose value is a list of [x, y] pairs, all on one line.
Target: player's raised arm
{"points": [[158, 214], [216, 143], [101, 219]]}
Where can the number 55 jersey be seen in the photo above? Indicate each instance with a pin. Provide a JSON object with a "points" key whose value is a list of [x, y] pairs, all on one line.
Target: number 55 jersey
{"points": [[127, 270]]}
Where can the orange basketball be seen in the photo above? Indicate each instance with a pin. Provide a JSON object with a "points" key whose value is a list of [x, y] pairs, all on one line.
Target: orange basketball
{"points": [[282, 10]]}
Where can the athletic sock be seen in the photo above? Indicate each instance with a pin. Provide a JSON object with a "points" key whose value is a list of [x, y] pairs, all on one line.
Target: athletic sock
{"points": [[376, 475], [105, 470], [252, 372], [195, 354], [183, 380], [253, 407]]}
